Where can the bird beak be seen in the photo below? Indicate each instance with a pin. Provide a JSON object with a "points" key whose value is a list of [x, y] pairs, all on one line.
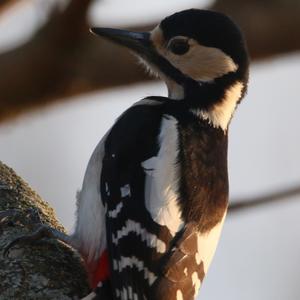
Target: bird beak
{"points": [[139, 42]]}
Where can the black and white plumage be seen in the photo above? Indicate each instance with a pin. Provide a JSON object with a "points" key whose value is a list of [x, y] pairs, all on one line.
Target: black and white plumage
{"points": [[156, 188], [155, 192]]}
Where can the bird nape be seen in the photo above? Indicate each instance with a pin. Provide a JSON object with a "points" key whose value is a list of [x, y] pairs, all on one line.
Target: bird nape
{"points": [[155, 192]]}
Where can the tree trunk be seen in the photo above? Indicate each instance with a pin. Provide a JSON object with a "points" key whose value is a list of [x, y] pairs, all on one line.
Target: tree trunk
{"points": [[48, 269]]}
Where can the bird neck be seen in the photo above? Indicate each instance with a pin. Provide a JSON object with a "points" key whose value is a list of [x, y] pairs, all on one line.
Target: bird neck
{"points": [[214, 101]]}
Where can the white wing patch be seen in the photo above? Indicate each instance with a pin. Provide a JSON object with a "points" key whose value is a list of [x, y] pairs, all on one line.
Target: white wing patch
{"points": [[207, 244], [161, 187]]}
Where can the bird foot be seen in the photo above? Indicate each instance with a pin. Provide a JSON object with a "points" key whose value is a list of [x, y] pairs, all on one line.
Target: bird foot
{"points": [[7, 217], [5, 214], [43, 231]]}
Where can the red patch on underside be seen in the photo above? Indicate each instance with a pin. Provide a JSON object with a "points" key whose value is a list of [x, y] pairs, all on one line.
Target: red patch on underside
{"points": [[101, 271]]}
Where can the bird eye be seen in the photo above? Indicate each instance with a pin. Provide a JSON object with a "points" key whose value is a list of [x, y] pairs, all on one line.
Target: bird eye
{"points": [[179, 46]]}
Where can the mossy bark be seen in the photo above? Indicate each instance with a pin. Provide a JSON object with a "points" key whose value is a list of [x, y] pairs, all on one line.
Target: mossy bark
{"points": [[47, 269]]}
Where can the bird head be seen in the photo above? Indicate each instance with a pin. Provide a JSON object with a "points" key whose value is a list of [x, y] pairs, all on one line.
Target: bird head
{"points": [[200, 54]]}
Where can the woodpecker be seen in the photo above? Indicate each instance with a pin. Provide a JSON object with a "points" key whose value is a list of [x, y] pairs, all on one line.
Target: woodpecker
{"points": [[155, 192]]}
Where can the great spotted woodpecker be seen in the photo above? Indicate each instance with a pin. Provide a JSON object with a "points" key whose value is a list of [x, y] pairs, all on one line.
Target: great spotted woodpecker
{"points": [[155, 192]]}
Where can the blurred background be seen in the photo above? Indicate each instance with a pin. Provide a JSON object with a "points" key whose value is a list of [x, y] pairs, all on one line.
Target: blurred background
{"points": [[61, 89]]}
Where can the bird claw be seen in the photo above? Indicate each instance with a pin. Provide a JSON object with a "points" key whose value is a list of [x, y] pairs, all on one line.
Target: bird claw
{"points": [[32, 217], [41, 232], [5, 214], [6, 217]]}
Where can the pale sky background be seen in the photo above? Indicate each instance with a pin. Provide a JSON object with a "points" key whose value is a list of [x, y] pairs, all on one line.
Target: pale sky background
{"points": [[259, 253]]}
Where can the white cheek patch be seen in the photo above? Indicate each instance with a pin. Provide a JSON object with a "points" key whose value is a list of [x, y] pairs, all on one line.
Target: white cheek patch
{"points": [[203, 63], [200, 63]]}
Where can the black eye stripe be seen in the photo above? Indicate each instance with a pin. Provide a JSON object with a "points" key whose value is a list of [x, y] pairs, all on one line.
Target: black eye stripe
{"points": [[179, 46]]}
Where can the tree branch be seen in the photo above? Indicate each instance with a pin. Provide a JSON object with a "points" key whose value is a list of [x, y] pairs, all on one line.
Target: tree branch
{"points": [[63, 59], [47, 270], [4, 4], [239, 205], [38, 71]]}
